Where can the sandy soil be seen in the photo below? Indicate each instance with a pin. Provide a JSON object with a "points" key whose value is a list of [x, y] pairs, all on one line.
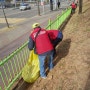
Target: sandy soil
{"points": [[72, 63]]}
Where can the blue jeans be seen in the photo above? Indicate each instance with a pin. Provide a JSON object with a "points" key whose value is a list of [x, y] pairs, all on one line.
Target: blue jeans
{"points": [[42, 63]]}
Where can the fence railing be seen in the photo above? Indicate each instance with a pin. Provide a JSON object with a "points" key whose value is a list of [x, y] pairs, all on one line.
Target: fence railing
{"points": [[11, 66]]}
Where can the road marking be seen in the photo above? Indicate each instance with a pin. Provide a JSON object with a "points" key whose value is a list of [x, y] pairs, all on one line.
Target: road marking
{"points": [[12, 20], [18, 12]]}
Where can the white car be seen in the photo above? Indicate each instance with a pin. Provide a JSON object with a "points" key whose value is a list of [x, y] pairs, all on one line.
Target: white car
{"points": [[2, 7], [24, 6]]}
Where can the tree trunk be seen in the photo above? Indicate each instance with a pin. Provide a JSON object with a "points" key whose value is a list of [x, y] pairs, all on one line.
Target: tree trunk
{"points": [[80, 6], [51, 5]]}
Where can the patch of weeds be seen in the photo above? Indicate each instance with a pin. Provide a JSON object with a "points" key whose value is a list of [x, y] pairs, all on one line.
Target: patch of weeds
{"points": [[87, 29]]}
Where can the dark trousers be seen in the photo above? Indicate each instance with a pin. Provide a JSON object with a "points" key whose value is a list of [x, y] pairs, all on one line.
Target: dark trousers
{"points": [[73, 10]]}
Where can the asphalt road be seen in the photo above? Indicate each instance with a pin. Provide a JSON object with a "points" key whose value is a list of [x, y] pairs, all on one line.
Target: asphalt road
{"points": [[15, 15]]}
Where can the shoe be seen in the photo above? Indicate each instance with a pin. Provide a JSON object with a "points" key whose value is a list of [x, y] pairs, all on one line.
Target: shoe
{"points": [[44, 77]]}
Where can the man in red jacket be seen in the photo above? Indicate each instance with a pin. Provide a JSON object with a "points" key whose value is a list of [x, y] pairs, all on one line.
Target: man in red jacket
{"points": [[40, 40], [44, 41], [73, 6]]}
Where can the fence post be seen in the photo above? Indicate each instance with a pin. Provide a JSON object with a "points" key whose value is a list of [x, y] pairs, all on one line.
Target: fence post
{"points": [[57, 21], [0, 88], [49, 23], [61, 17]]}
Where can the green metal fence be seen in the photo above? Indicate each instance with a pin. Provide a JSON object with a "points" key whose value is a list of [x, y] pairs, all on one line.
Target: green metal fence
{"points": [[11, 66]]}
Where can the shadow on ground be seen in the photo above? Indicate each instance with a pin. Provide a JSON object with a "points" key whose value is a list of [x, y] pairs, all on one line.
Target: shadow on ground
{"points": [[62, 50]]}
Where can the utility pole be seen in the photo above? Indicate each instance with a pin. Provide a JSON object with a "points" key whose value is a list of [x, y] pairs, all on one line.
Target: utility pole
{"points": [[4, 15], [38, 7], [15, 3], [42, 4], [55, 1], [80, 6]]}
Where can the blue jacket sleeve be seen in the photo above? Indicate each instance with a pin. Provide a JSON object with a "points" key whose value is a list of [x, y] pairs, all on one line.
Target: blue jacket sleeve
{"points": [[58, 39], [60, 35], [30, 44]]}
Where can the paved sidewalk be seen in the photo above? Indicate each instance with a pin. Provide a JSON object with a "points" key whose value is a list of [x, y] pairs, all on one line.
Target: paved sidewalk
{"points": [[13, 37]]}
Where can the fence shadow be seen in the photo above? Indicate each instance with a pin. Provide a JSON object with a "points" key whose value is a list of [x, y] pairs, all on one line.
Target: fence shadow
{"points": [[22, 85], [62, 50]]}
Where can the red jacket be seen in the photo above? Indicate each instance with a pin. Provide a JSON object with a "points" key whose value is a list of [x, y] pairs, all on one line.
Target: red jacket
{"points": [[53, 34], [73, 5], [56, 36], [43, 43]]}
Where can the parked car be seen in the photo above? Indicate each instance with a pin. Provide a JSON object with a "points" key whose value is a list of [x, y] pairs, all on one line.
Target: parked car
{"points": [[24, 6], [2, 7]]}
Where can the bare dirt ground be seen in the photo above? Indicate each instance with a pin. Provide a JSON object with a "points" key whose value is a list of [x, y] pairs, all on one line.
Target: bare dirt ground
{"points": [[72, 63]]}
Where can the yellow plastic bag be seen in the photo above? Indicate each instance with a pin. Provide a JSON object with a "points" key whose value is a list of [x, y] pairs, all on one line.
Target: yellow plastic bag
{"points": [[31, 71]]}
